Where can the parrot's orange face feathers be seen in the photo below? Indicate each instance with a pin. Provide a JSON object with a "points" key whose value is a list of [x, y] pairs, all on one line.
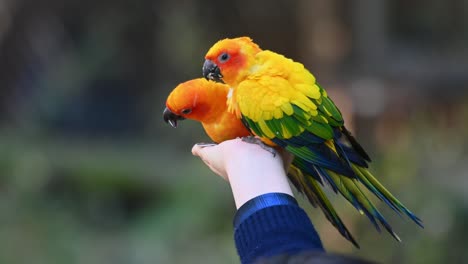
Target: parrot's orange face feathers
{"points": [[204, 101], [190, 100], [183, 100], [229, 58]]}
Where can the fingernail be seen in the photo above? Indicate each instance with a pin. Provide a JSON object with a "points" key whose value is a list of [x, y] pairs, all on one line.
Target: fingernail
{"points": [[204, 145]]}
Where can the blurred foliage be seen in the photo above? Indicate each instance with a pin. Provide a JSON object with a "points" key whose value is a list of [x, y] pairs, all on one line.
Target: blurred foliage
{"points": [[89, 172]]}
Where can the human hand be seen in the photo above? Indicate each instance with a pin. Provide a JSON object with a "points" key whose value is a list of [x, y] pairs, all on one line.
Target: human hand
{"points": [[250, 170]]}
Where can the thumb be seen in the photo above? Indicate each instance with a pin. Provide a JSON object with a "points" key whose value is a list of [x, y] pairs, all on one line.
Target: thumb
{"points": [[197, 148], [211, 155]]}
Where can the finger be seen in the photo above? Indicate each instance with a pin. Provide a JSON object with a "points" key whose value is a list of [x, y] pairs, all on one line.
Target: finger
{"points": [[196, 150], [207, 154], [199, 146], [211, 156]]}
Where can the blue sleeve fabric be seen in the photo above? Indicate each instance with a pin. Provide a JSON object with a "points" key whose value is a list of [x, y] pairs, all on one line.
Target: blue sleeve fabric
{"points": [[273, 224]]}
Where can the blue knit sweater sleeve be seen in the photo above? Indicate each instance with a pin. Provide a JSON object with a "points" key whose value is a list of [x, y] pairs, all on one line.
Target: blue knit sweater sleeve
{"points": [[273, 224]]}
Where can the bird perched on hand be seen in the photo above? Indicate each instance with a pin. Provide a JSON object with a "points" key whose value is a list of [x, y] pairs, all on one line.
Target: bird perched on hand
{"points": [[281, 103], [204, 101]]}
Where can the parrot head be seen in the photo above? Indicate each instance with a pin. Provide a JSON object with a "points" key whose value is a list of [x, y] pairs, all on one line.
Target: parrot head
{"points": [[228, 59], [194, 99]]}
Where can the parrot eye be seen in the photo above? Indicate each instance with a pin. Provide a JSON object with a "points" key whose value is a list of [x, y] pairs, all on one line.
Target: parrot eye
{"points": [[224, 57], [186, 111]]}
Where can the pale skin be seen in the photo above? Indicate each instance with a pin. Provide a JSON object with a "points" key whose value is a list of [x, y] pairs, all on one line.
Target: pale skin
{"points": [[250, 170]]}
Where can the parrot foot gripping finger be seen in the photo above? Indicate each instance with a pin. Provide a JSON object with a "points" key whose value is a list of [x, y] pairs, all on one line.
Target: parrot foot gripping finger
{"points": [[257, 141], [204, 145]]}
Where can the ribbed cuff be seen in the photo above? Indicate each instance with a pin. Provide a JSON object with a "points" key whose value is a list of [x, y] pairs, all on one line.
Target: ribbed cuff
{"points": [[274, 230], [260, 202]]}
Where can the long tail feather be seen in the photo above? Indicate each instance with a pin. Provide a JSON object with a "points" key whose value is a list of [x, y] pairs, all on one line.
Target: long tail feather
{"points": [[350, 188], [363, 179], [307, 185], [348, 191], [348, 148], [380, 191]]}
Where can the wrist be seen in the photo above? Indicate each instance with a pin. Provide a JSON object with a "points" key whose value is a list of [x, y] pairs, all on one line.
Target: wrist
{"points": [[251, 177]]}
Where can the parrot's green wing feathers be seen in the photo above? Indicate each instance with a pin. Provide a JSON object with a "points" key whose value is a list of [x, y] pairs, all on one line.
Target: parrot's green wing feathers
{"points": [[328, 109]]}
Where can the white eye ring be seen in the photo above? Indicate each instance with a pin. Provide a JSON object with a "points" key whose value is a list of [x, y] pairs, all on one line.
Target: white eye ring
{"points": [[224, 57]]}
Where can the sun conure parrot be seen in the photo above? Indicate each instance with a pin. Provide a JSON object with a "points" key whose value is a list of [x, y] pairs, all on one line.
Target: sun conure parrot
{"points": [[281, 102], [204, 101]]}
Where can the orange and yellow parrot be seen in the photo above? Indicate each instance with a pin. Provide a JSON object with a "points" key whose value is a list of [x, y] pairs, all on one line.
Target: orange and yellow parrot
{"points": [[281, 102], [204, 101]]}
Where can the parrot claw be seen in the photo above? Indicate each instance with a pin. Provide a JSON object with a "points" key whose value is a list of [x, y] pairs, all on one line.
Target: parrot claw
{"points": [[204, 145], [256, 140]]}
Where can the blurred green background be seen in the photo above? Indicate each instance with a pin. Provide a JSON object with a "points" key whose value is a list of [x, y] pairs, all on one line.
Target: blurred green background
{"points": [[89, 172]]}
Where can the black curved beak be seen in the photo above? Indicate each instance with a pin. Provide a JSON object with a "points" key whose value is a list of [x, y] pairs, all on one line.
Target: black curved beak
{"points": [[212, 72], [171, 118]]}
